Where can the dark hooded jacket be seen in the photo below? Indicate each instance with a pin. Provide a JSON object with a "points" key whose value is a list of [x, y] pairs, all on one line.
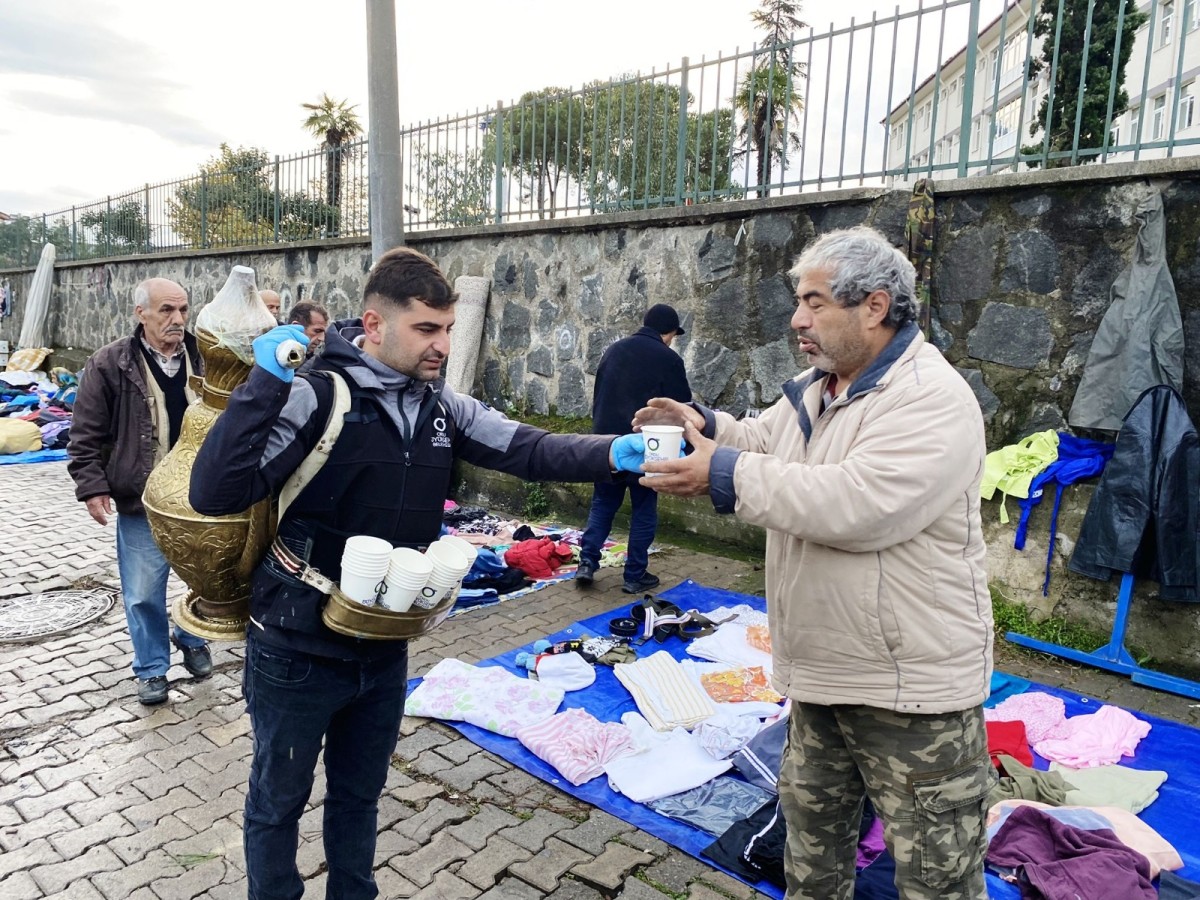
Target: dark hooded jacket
{"points": [[1145, 514], [387, 476]]}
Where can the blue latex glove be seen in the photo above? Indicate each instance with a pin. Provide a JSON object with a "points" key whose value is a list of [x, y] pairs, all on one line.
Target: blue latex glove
{"points": [[265, 346], [627, 452]]}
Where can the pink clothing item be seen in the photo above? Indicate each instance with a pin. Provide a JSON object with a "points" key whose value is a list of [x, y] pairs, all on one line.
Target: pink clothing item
{"points": [[576, 744], [1041, 713], [1099, 739]]}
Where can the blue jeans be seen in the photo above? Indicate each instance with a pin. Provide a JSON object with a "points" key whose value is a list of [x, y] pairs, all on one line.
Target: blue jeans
{"points": [[295, 699], [144, 574], [607, 498]]}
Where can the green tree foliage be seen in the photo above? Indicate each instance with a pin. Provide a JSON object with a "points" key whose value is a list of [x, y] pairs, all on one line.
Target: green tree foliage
{"points": [[455, 188], [615, 144], [22, 239], [117, 229], [769, 96], [542, 143], [232, 202], [336, 125], [1100, 61]]}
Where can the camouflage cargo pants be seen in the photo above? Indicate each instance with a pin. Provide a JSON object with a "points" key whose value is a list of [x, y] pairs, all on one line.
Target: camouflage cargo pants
{"points": [[928, 777]]}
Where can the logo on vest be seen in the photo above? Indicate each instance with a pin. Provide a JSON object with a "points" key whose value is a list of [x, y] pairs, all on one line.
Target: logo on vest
{"points": [[440, 438]]}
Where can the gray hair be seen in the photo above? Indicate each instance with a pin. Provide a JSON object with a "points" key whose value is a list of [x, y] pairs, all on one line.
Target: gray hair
{"points": [[860, 261], [141, 296]]}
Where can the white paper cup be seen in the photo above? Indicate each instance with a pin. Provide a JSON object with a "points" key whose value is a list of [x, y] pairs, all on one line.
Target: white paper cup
{"points": [[360, 588], [398, 598], [408, 566], [365, 545], [469, 550], [446, 556], [662, 442]]}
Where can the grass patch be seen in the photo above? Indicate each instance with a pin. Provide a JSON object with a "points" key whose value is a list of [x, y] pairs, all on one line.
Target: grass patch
{"points": [[1012, 616], [553, 423]]}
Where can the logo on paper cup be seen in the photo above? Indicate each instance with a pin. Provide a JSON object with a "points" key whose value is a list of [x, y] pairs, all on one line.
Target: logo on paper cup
{"points": [[652, 445]]}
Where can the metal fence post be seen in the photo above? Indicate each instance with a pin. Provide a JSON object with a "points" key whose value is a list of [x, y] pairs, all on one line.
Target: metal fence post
{"points": [[203, 210], [968, 91], [146, 212], [74, 246], [681, 133], [107, 228], [499, 161], [276, 198]]}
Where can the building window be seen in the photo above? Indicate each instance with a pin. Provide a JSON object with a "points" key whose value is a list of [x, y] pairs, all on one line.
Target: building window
{"points": [[1194, 18], [1135, 124], [976, 133], [1187, 107], [994, 59], [897, 134], [923, 116], [1168, 19], [1158, 118], [1114, 136]]}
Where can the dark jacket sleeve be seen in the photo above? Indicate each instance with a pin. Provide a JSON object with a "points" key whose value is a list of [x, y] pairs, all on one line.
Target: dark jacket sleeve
{"points": [[486, 437], [262, 437], [91, 431]]}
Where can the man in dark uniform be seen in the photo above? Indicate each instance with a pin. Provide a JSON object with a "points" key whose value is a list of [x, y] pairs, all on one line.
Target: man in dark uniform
{"points": [[632, 370], [387, 476]]}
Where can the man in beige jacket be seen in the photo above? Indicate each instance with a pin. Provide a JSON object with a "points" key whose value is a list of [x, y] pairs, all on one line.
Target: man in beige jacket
{"points": [[865, 475]]}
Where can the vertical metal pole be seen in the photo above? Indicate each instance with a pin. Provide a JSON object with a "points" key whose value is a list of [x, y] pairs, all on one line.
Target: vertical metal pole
{"points": [[383, 140], [681, 133], [1112, 82], [203, 210], [276, 199], [1025, 80], [1186, 16], [1053, 80], [499, 120], [1137, 139], [107, 227], [146, 212], [1087, 46], [968, 109], [74, 245]]}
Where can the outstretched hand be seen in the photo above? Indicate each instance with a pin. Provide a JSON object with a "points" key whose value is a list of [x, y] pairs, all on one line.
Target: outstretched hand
{"points": [[626, 452], [688, 475], [664, 411]]}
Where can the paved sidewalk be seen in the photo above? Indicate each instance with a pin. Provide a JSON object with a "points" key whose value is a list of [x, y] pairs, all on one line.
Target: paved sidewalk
{"points": [[103, 798]]}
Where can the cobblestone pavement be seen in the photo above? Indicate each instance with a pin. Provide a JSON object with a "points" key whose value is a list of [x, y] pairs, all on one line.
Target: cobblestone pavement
{"points": [[103, 798]]}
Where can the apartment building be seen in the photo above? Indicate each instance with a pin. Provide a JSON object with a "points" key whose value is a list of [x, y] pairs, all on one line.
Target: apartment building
{"points": [[1001, 113]]}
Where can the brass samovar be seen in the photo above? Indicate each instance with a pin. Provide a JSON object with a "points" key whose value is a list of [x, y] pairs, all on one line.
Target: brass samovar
{"points": [[213, 555]]}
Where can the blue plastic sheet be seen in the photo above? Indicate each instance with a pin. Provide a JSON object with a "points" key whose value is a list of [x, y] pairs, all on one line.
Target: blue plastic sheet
{"points": [[31, 456], [1170, 746]]}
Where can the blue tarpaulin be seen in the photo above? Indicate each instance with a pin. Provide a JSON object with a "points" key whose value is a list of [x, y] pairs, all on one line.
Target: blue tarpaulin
{"points": [[1170, 746]]}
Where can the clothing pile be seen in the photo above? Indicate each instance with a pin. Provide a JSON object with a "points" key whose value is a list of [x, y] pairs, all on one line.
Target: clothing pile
{"points": [[35, 411]]}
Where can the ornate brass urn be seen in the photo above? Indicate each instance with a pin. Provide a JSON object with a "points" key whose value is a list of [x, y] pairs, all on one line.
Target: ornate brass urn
{"points": [[214, 555]]}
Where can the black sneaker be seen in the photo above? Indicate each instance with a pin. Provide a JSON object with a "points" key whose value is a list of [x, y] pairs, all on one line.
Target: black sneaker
{"points": [[647, 582], [152, 691], [197, 660], [585, 573]]}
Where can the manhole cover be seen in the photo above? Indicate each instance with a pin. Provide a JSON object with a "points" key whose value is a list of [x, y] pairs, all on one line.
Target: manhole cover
{"points": [[39, 615]]}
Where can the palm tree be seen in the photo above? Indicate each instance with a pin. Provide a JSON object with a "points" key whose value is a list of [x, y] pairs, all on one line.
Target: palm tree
{"points": [[335, 123], [769, 95]]}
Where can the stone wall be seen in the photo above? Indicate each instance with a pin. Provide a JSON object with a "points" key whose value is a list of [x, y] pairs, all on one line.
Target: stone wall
{"points": [[1022, 270]]}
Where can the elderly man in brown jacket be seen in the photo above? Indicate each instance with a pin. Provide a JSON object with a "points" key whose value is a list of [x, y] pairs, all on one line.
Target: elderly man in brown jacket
{"points": [[865, 475], [127, 416]]}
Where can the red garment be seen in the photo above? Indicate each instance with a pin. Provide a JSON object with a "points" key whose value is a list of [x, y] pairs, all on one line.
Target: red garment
{"points": [[1008, 738], [538, 557]]}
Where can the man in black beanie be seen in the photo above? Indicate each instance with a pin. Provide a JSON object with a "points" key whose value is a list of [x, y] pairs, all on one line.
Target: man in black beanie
{"points": [[632, 370]]}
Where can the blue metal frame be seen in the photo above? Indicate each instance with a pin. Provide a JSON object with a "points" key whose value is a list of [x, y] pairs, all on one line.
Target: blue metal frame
{"points": [[1113, 656]]}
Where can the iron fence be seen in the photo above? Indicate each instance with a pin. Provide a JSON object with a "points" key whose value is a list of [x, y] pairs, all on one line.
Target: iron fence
{"points": [[948, 89]]}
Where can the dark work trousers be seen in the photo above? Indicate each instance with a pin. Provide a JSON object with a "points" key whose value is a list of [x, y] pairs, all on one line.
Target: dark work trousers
{"points": [[607, 498], [295, 699]]}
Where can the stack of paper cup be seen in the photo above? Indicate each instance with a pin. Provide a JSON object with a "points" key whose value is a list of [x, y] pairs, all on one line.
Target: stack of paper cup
{"points": [[469, 550], [364, 565], [408, 570], [449, 567]]}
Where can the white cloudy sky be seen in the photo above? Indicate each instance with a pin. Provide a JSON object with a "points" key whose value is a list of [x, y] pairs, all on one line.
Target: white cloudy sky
{"points": [[102, 96]]}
